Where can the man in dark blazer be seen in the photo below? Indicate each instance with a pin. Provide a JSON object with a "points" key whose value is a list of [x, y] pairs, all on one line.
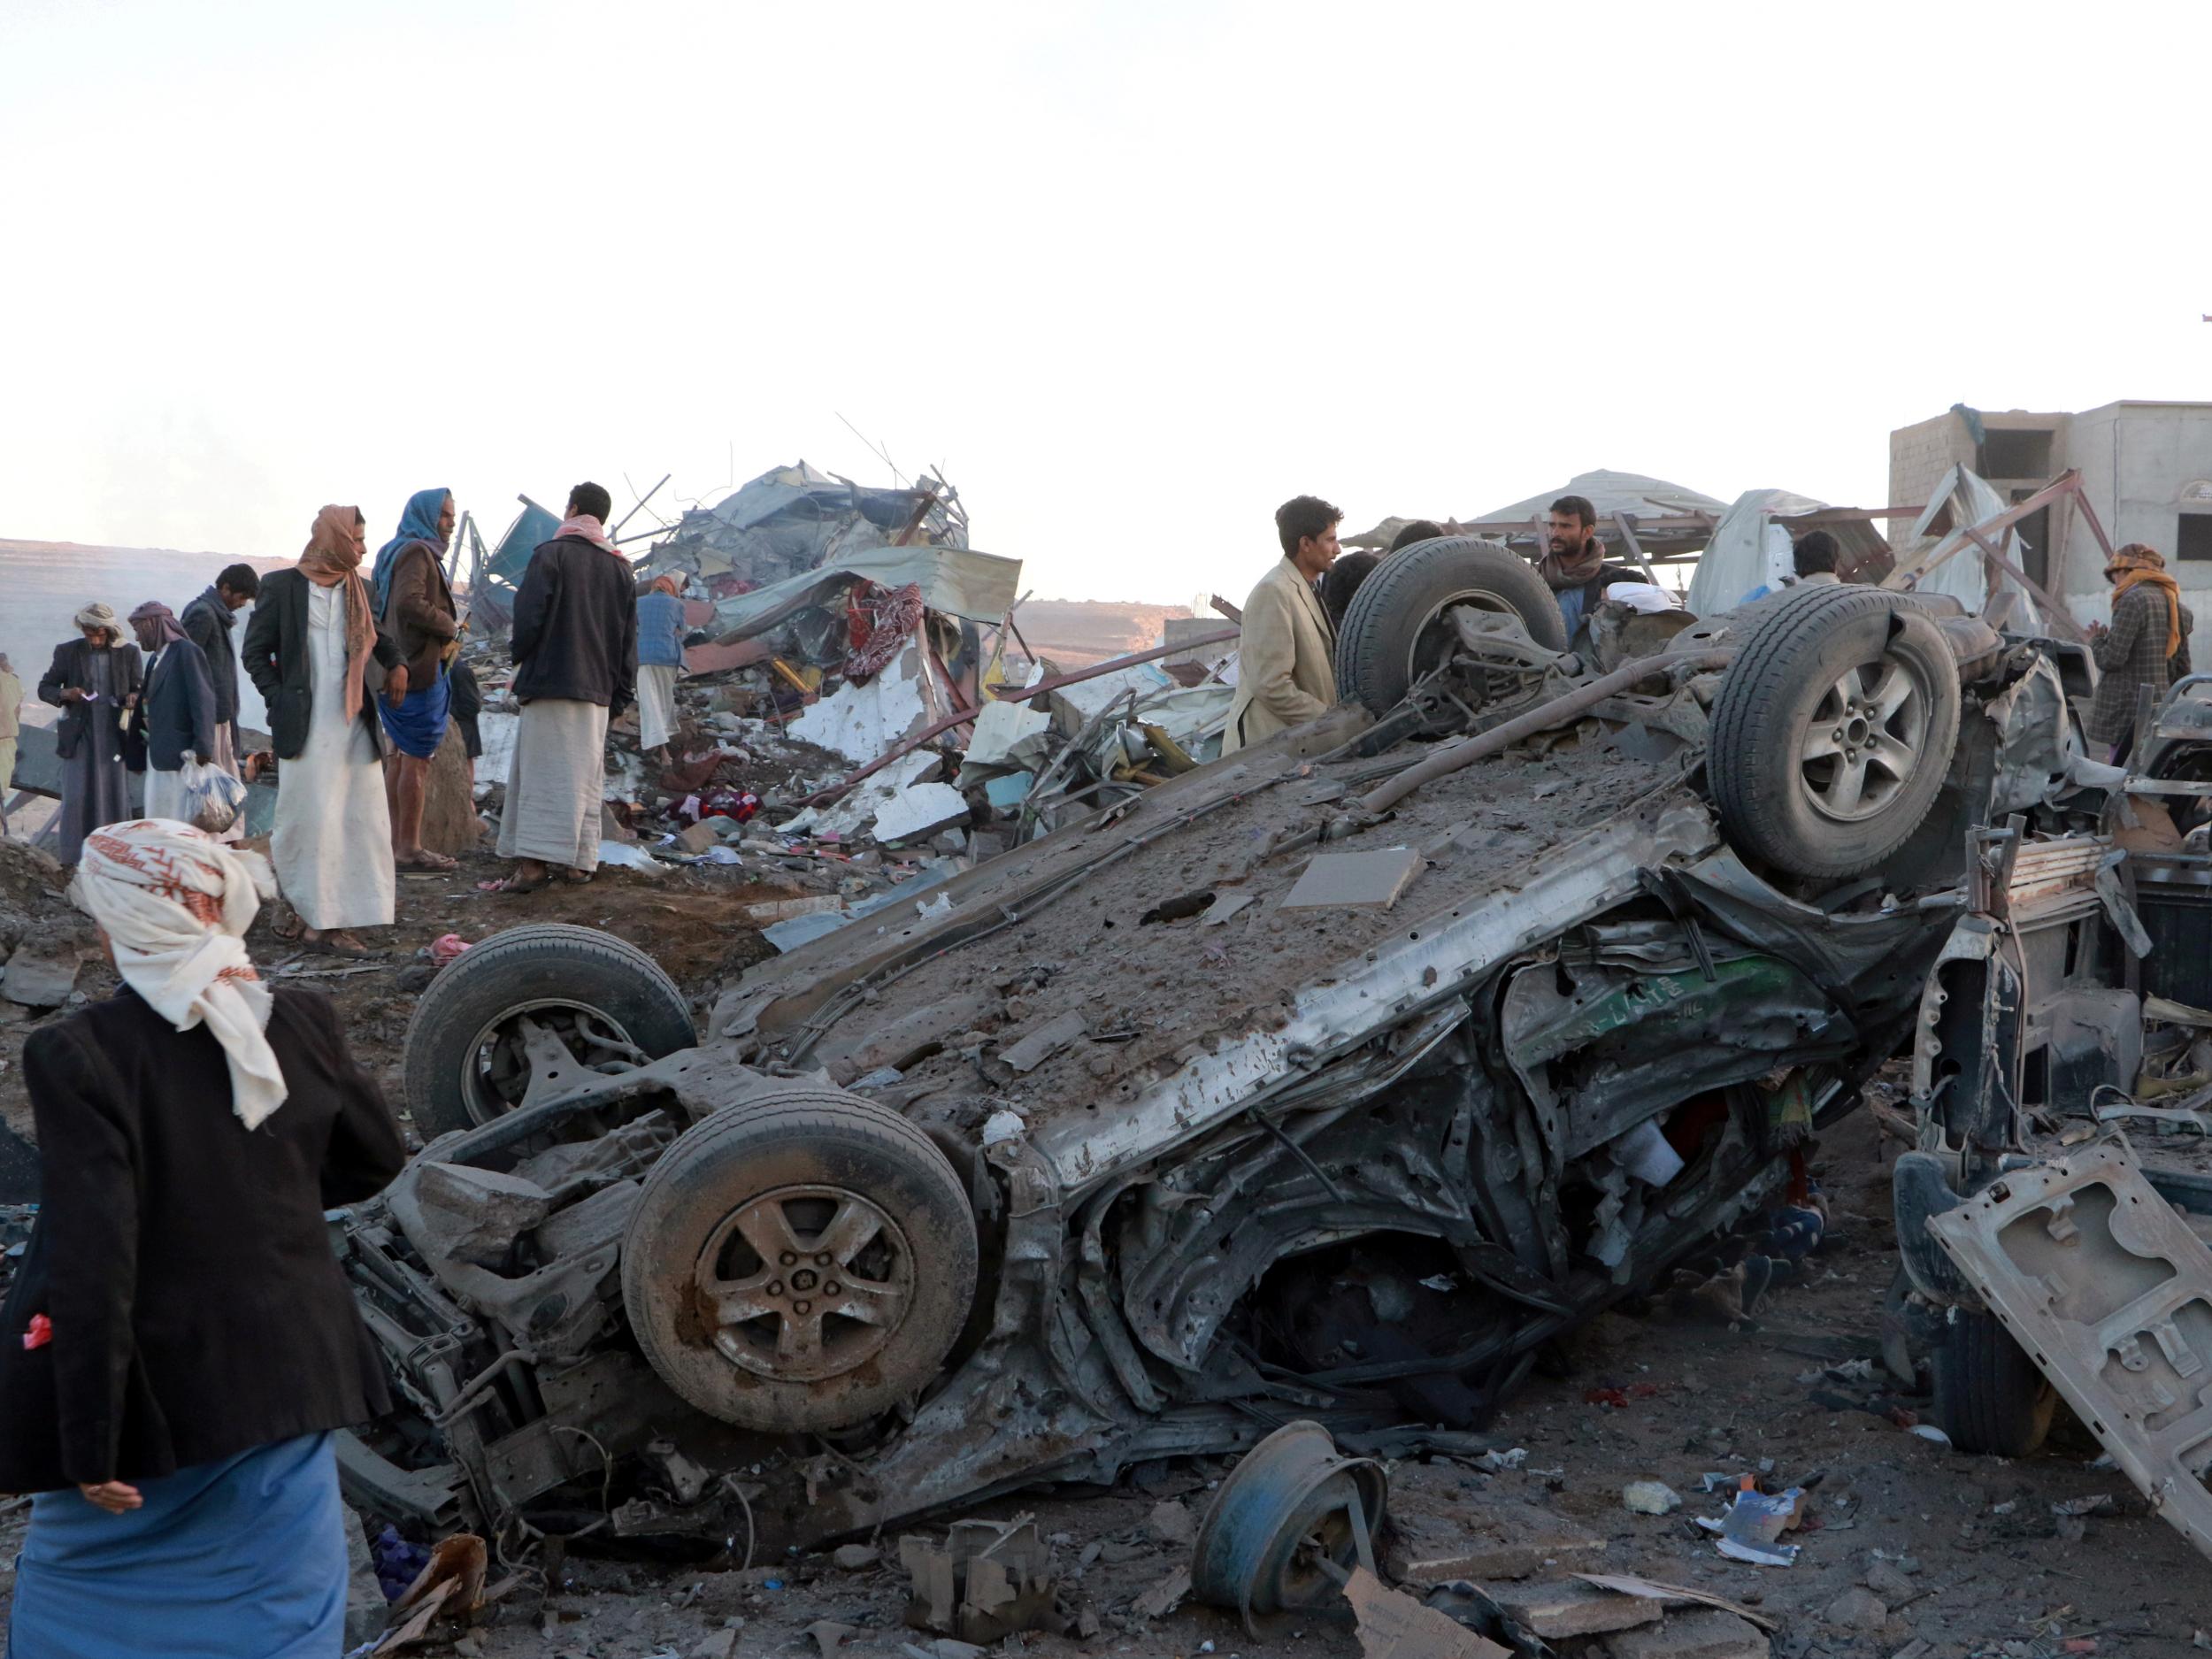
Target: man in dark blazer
{"points": [[175, 715], [94, 682]]}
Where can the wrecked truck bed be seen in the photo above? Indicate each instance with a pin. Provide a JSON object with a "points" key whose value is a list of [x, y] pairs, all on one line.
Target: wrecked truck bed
{"points": [[1172, 1127]]}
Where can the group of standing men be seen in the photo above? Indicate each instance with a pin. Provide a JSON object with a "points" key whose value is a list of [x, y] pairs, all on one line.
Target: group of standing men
{"points": [[361, 672]]}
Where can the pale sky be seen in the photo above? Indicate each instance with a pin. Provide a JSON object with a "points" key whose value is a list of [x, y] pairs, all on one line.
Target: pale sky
{"points": [[1133, 272]]}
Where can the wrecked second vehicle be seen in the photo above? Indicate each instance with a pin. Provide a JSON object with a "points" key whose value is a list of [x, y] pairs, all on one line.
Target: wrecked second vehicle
{"points": [[1328, 1081]]}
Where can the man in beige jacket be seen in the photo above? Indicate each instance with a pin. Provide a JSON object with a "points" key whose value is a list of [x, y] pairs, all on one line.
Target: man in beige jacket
{"points": [[1287, 646]]}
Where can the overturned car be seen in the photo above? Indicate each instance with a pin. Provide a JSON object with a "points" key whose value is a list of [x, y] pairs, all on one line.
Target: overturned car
{"points": [[1330, 1081]]}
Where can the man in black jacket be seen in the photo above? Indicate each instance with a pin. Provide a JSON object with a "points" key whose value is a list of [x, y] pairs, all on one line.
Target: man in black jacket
{"points": [[175, 716], [209, 622], [94, 682], [575, 650]]}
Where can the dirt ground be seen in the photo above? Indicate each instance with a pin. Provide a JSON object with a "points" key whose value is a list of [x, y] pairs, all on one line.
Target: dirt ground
{"points": [[1964, 1553]]}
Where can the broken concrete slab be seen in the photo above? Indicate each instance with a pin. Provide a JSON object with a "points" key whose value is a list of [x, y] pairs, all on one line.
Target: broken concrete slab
{"points": [[1393, 1626], [1705, 1633], [1355, 881], [919, 811], [1047, 1041], [1434, 1541], [1572, 1608], [854, 810]]}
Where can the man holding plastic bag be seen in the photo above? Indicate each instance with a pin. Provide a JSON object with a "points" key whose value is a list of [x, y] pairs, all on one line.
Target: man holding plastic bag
{"points": [[171, 736]]}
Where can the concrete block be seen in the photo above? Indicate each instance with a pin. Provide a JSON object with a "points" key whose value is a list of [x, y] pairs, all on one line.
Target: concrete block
{"points": [[41, 972], [1697, 1634], [1569, 1608], [1355, 881], [476, 1215]]}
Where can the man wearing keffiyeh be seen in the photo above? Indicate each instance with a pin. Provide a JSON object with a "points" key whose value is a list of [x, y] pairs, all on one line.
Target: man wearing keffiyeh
{"points": [[174, 719]]}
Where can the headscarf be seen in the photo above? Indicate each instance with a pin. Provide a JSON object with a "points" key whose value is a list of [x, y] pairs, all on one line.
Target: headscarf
{"points": [[1571, 570], [99, 615], [175, 905], [592, 531], [417, 522], [2143, 566], [333, 557], [668, 582], [163, 619]]}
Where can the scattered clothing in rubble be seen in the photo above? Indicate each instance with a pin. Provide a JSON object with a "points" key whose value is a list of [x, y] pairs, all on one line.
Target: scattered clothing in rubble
{"points": [[660, 657], [88, 737], [179, 1342], [1285, 659], [877, 620], [2147, 647], [320, 662], [575, 650]]}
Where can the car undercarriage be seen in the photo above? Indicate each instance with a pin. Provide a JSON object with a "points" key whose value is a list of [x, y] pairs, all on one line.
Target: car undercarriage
{"points": [[1118, 1150]]}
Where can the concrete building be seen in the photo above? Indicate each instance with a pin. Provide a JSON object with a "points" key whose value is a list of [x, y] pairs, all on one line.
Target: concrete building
{"points": [[2146, 467]]}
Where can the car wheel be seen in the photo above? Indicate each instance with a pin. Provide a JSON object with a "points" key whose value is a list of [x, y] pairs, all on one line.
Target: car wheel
{"points": [[1398, 626], [1989, 1397], [502, 1012], [802, 1262], [1832, 732]]}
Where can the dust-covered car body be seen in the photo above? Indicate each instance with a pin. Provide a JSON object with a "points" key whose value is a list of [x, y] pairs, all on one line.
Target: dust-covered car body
{"points": [[1113, 1151]]}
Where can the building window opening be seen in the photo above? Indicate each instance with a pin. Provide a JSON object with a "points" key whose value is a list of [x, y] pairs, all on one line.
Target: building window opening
{"points": [[2193, 536], [2016, 454]]}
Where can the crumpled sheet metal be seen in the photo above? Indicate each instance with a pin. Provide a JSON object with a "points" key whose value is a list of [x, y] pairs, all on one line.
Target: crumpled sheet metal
{"points": [[2109, 1290], [958, 581]]}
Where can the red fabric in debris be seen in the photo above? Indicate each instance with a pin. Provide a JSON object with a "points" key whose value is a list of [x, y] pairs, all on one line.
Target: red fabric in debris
{"points": [[878, 620]]}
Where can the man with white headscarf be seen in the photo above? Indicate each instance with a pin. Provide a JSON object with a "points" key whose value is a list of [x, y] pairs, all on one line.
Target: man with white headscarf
{"points": [[94, 682], [181, 1344]]}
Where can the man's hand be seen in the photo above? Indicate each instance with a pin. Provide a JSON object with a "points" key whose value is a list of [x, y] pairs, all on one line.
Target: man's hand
{"points": [[204, 760], [115, 1496], [73, 693], [395, 686], [131, 702], [2097, 630]]}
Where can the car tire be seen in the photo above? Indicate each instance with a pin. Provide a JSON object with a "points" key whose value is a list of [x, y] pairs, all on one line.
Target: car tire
{"points": [[1819, 767], [549, 967], [1386, 641], [1989, 1397], [787, 1173]]}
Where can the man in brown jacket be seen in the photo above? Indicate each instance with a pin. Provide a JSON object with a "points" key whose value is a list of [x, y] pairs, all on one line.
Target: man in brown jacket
{"points": [[1286, 645], [417, 613]]}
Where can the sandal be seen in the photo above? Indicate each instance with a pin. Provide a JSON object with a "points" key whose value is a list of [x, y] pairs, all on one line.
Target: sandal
{"points": [[289, 928], [426, 862], [576, 877], [326, 946]]}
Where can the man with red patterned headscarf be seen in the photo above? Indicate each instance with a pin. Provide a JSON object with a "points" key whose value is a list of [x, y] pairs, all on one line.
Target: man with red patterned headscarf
{"points": [[314, 650]]}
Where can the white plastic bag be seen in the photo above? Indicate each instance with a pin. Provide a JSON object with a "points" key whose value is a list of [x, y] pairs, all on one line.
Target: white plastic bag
{"points": [[212, 798]]}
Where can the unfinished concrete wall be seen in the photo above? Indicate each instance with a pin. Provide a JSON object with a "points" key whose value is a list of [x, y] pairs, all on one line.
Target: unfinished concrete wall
{"points": [[2146, 468], [1919, 456]]}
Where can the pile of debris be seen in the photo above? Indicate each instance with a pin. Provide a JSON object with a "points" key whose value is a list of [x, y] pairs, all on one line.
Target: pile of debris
{"points": [[868, 722]]}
